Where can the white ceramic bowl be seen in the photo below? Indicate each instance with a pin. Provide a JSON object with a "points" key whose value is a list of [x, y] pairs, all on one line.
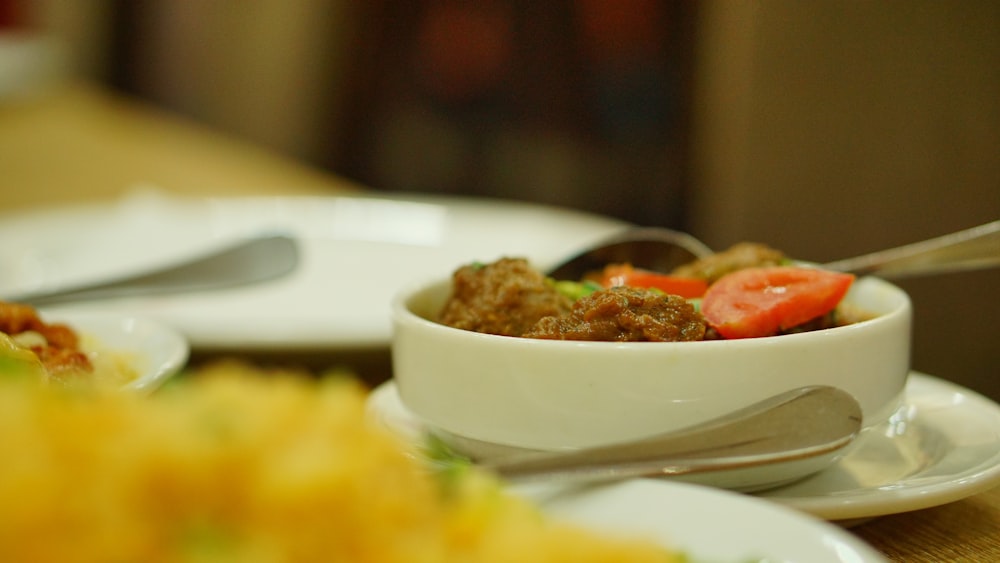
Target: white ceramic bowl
{"points": [[153, 351], [547, 395]]}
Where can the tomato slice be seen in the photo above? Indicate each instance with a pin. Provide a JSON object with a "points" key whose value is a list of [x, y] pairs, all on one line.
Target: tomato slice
{"points": [[763, 301], [625, 274]]}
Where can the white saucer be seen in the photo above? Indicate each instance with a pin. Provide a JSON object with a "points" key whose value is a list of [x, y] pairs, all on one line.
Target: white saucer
{"points": [[941, 446]]}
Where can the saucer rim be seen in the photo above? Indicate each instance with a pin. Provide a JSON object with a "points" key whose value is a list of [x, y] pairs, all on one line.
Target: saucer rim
{"points": [[831, 505]]}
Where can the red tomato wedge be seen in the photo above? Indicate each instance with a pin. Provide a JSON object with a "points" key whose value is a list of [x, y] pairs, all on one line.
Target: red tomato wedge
{"points": [[763, 301], [625, 274]]}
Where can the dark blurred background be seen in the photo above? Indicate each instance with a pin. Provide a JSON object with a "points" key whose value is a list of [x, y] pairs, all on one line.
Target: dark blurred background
{"points": [[826, 129], [571, 103]]}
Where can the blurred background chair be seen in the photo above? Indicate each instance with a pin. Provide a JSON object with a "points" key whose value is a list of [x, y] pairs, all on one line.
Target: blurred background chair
{"points": [[826, 129]]}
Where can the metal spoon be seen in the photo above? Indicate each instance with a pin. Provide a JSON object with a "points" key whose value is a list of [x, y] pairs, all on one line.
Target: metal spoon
{"points": [[796, 425], [250, 261], [977, 248], [652, 248], [662, 250]]}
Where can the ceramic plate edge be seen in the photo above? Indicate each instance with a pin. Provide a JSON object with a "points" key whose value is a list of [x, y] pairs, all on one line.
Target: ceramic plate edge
{"points": [[773, 532], [983, 477]]}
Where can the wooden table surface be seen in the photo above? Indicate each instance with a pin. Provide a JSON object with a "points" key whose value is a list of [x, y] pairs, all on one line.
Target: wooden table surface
{"points": [[79, 143]]}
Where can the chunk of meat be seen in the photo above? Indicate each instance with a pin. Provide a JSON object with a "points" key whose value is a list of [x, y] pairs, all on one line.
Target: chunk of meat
{"points": [[737, 257], [63, 364], [16, 318], [506, 297], [625, 314]]}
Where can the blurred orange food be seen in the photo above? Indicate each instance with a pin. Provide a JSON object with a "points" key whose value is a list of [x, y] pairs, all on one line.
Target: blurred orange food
{"points": [[234, 464]]}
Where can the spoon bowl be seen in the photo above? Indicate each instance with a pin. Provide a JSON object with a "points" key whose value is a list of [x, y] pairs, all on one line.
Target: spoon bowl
{"points": [[652, 248], [808, 422], [661, 250]]}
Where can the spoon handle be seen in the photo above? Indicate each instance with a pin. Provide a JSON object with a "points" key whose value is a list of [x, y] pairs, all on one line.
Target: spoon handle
{"points": [[971, 249], [798, 424], [252, 261]]}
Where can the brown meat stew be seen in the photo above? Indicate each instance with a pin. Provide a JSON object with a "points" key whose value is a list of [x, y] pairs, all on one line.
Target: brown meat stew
{"points": [[509, 297]]}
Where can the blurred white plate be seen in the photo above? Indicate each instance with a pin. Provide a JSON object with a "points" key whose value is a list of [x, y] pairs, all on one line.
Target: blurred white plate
{"points": [[356, 252], [704, 523], [941, 446], [156, 352]]}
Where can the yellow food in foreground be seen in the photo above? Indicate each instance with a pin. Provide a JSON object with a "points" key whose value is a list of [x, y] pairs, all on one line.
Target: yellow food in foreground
{"points": [[231, 466]]}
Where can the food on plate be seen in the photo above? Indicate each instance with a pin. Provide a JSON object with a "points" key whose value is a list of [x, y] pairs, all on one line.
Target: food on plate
{"points": [[234, 464], [55, 352], [747, 291], [57, 346], [16, 361]]}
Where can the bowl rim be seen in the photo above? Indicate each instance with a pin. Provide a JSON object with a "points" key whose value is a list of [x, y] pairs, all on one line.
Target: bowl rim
{"points": [[402, 311], [427, 355]]}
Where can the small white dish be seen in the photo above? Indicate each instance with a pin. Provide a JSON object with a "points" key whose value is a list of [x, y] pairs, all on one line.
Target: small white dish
{"points": [[942, 445], [706, 524], [356, 252], [155, 351]]}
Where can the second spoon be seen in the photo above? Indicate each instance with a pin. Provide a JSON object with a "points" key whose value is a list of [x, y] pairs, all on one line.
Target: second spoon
{"points": [[662, 250], [803, 423]]}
